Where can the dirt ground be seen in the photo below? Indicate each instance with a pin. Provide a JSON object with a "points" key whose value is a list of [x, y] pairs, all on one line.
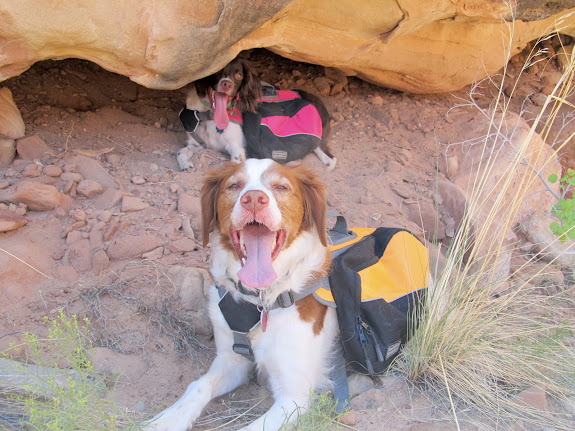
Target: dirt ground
{"points": [[387, 144]]}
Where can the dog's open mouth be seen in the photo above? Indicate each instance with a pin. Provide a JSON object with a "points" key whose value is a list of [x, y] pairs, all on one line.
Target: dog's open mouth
{"points": [[257, 247], [219, 103]]}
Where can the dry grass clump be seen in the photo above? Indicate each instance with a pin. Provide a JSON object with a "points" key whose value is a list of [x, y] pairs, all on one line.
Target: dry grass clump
{"points": [[487, 337], [135, 309]]}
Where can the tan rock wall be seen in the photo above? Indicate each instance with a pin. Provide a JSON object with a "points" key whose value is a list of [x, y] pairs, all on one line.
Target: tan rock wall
{"points": [[427, 47]]}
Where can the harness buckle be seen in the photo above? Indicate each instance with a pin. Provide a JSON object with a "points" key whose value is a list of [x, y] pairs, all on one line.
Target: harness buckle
{"points": [[285, 299], [243, 349]]}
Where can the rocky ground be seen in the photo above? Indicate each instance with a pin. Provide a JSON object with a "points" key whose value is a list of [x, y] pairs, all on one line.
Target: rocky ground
{"points": [[106, 226]]}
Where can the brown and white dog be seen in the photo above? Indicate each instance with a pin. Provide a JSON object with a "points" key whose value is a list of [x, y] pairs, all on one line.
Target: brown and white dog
{"points": [[237, 86], [267, 227], [235, 89]]}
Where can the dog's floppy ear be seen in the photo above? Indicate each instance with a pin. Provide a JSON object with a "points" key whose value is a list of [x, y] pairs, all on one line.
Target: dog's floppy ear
{"points": [[314, 201], [250, 90], [209, 201]]}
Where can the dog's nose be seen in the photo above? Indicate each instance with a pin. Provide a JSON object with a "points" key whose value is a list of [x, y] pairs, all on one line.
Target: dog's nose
{"points": [[226, 85], [255, 200]]}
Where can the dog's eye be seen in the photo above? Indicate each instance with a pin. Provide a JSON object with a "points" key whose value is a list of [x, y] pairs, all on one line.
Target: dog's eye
{"points": [[281, 187], [238, 76], [234, 186]]}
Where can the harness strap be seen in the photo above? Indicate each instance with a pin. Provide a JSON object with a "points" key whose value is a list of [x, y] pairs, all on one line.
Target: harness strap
{"points": [[338, 376]]}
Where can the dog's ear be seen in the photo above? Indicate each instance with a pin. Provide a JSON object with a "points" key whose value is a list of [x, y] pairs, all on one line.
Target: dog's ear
{"points": [[314, 201], [202, 85], [250, 90], [209, 203]]}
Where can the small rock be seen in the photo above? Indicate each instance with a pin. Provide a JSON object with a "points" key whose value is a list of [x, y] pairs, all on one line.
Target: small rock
{"points": [[92, 169], [376, 100], [108, 199], [174, 187], [100, 262], [132, 203], [73, 237], [7, 152], [190, 205], [138, 180], [33, 148], [79, 215], [11, 122], [32, 171], [369, 399], [349, 418], [89, 188], [183, 245], [105, 216], [37, 196], [79, 255], [133, 246], [534, 397], [323, 85], [52, 171], [96, 239], [155, 254], [10, 221], [71, 176], [359, 383]]}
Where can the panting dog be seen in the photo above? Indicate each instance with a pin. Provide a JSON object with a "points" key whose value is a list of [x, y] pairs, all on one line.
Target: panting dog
{"points": [[220, 108], [267, 226]]}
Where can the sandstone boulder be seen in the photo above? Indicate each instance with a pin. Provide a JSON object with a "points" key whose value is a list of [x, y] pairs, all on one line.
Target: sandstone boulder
{"points": [[424, 47], [37, 196]]}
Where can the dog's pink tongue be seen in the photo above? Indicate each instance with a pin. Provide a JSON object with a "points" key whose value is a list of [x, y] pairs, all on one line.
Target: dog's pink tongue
{"points": [[220, 110], [258, 271]]}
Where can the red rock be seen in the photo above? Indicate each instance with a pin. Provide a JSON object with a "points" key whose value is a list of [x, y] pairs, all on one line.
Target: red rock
{"points": [[32, 171], [132, 203], [108, 199], [52, 171], [33, 148], [183, 245], [79, 255], [10, 221], [133, 246], [7, 152], [11, 122], [89, 188], [38, 197], [190, 205], [100, 262]]}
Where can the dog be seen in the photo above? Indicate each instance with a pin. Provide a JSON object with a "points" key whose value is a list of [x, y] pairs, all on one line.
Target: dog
{"points": [[216, 99], [267, 224], [235, 88]]}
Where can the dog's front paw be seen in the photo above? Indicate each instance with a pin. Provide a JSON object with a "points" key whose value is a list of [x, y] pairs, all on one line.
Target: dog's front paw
{"points": [[166, 422], [185, 158], [331, 164]]}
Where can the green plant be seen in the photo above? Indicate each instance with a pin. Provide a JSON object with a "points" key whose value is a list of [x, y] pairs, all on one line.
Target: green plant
{"points": [[73, 399], [321, 415], [564, 209]]}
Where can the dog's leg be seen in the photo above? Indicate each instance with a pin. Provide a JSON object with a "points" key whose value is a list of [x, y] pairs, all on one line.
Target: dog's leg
{"points": [[184, 158], [228, 371], [328, 162], [235, 143]]}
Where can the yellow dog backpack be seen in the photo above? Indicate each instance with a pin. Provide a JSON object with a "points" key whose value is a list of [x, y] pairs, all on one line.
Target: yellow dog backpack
{"points": [[377, 283]]}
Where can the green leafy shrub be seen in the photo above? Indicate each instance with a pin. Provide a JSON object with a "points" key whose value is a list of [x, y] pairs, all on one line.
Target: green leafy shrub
{"points": [[564, 209]]}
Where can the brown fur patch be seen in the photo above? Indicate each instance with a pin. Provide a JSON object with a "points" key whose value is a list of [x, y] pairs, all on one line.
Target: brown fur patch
{"points": [[312, 311]]}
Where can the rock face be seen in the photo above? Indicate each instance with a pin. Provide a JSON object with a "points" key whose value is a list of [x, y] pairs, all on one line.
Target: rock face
{"points": [[424, 47]]}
